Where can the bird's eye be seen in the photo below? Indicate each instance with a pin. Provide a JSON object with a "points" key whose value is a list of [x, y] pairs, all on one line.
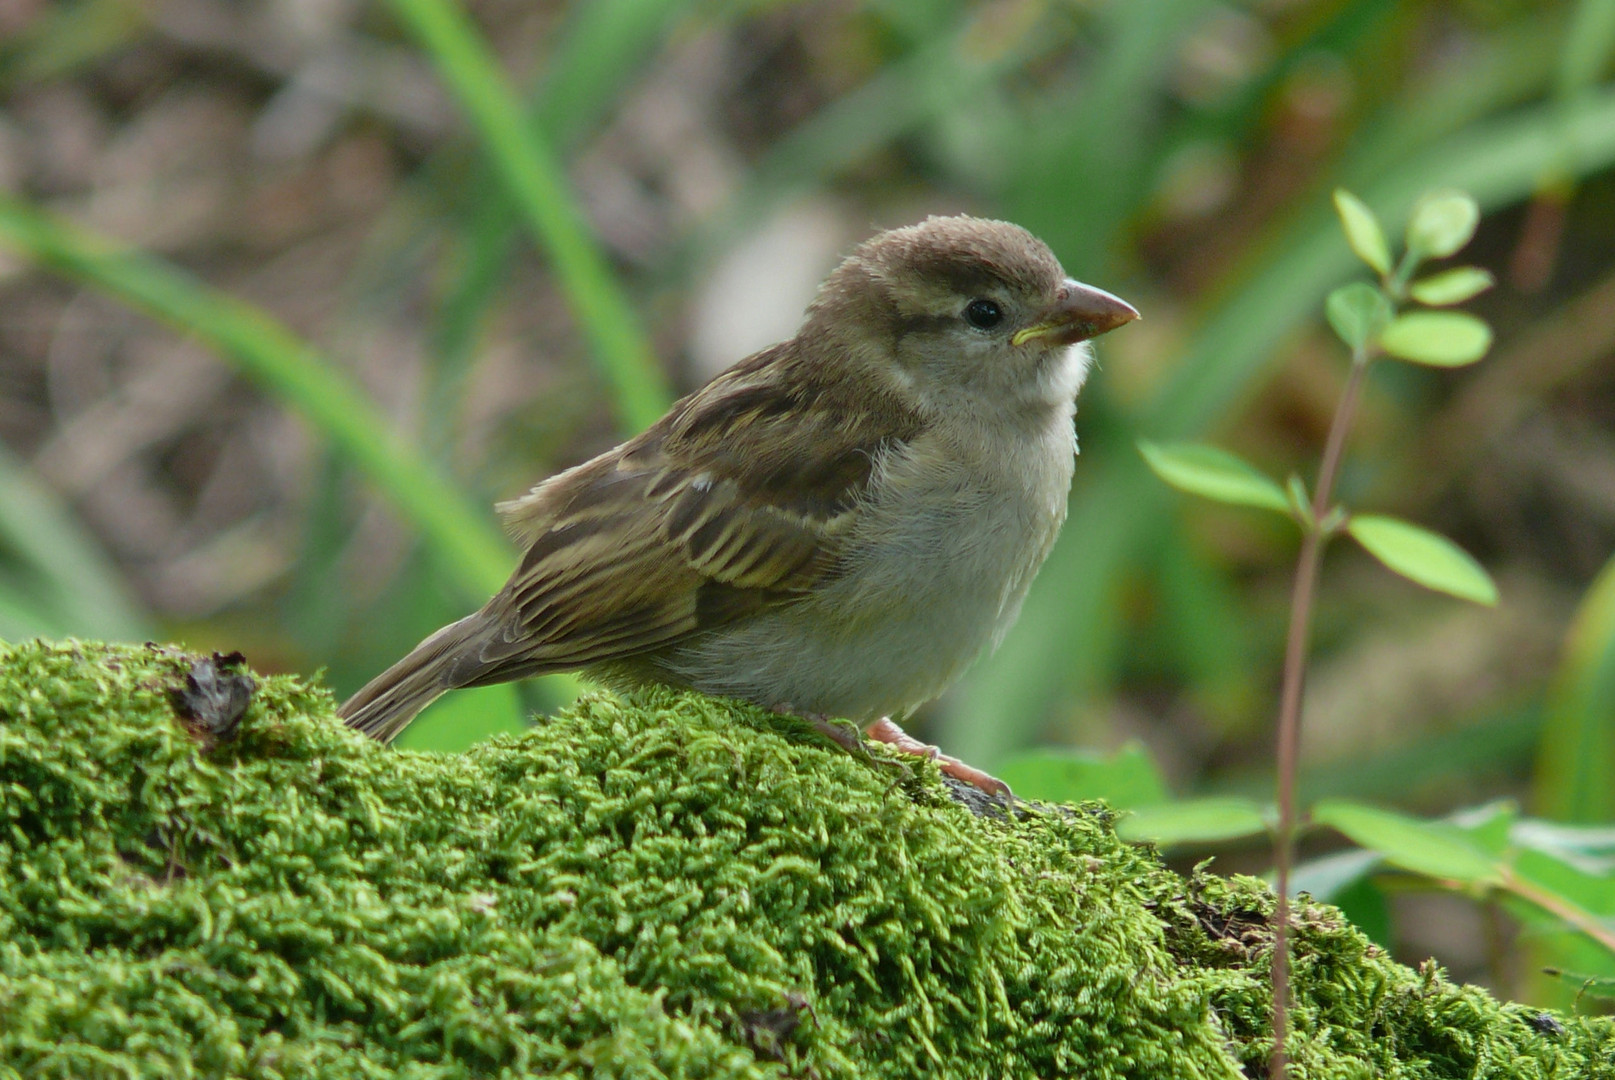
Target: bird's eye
{"points": [[983, 314]]}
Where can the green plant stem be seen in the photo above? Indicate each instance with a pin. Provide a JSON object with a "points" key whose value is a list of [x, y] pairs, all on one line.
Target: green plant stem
{"points": [[1395, 285], [1313, 539], [537, 184]]}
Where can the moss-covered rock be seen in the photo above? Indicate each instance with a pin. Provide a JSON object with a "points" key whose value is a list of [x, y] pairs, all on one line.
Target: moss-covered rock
{"points": [[669, 886]]}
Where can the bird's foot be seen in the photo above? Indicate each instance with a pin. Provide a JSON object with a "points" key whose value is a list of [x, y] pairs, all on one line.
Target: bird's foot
{"points": [[844, 733], [886, 731]]}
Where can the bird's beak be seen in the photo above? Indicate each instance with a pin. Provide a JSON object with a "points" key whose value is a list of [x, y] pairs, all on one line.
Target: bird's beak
{"points": [[1079, 312]]}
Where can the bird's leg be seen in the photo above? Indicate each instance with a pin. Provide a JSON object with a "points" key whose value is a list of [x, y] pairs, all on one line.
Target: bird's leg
{"points": [[884, 730], [844, 733]]}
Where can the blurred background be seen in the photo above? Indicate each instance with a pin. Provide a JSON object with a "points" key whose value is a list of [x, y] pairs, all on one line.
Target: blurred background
{"points": [[365, 312]]}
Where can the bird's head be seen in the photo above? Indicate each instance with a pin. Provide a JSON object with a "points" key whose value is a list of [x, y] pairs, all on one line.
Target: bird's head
{"points": [[963, 306]]}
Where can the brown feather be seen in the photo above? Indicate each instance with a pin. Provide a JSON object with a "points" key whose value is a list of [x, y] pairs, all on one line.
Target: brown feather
{"points": [[622, 551]]}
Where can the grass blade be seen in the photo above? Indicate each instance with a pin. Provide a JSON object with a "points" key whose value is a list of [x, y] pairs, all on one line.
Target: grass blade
{"points": [[70, 588], [537, 184], [1577, 751], [473, 553]]}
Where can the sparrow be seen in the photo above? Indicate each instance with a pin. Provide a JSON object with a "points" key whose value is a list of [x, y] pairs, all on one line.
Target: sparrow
{"points": [[835, 527]]}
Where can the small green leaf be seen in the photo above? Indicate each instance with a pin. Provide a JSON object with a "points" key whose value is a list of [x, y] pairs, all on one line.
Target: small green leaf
{"points": [[1300, 503], [1488, 825], [1433, 848], [1437, 338], [1442, 223], [1213, 473], [1363, 232], [1196, 821], [1598, 986], [1126, 779], [1423, 556], [1358, 312], [1452, 286]]}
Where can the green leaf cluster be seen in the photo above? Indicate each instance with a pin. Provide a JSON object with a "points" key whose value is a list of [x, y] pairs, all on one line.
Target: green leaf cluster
{"points": [[1557, 878], [1366, 318]]}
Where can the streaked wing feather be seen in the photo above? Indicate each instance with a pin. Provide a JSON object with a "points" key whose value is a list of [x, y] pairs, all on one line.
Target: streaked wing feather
{"points": [[708, 516]]}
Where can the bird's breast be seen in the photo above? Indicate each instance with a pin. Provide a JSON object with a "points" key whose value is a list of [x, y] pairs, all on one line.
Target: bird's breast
{"points": [[956, 526], [948, 537]]}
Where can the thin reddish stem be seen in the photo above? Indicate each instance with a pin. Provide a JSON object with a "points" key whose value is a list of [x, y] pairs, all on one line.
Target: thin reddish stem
{"points": [[1289, 733], [1335, 446]]}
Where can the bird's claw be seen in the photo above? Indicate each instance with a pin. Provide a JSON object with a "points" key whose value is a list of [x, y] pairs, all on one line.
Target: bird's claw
{"points": [[886, 731]]}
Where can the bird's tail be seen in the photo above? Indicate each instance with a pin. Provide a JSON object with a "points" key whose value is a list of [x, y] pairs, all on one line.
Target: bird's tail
{"points": [[392, 699]]}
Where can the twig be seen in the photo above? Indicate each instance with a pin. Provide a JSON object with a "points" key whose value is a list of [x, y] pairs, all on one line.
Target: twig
{"points": [[1316, 533]]}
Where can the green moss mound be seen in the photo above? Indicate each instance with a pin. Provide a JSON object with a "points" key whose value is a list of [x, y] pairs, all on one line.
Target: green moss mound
{"points": [[665, 887]]}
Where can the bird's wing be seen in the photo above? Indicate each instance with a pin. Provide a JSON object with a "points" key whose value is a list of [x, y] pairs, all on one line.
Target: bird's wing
{"points": [[739, 499]]}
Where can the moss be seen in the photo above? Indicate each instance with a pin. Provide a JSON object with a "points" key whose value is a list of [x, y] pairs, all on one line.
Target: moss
{"points": [[669, 886]]}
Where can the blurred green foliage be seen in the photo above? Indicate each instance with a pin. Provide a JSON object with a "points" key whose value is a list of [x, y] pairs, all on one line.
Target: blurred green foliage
{"points": [[1178, 152]]}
